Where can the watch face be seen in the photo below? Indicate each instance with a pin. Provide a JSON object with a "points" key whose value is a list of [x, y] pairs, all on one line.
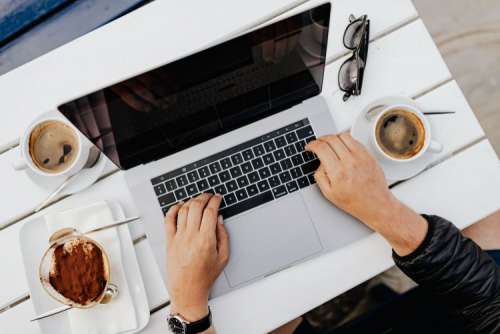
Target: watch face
{"points": [[176, 325]]}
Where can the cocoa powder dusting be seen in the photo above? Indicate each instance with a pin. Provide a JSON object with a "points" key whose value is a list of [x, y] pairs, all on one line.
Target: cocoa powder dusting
{"points": [[78, 271]]}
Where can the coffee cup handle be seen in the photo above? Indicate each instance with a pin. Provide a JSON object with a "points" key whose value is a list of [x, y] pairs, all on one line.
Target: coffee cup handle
{"points": [[20, 164], [435, 147]]}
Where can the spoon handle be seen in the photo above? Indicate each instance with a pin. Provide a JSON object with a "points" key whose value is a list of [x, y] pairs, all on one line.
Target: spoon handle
{"points": [[126, 221], [52, 312], [53, 194]]}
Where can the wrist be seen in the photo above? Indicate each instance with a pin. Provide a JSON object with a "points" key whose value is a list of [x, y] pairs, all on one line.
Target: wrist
{"points": [[190, 312]]}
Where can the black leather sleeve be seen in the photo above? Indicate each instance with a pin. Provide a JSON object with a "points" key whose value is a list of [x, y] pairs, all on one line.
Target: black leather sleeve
{"points": [[458, 272]]}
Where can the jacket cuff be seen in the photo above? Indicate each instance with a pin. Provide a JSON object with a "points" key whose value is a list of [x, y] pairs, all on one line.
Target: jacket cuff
{"points": [[423, 245]]}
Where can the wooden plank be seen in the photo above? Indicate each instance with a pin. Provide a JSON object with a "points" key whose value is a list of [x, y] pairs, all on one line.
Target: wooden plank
{"points": [[120, 49]]}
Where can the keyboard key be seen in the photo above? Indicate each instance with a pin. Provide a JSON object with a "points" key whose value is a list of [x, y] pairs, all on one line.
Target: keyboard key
{"points": [[170, 185], [193, 176], [253, 177], [168, 199], [268, 159], [279, 191], [310, 139], [226, 163], [230, 199], [222, 203], [296, 172], [241, 194], [285, 177], [165, 210], [213, 180], [246, 167], [280, 141], [204, 172], [264, 173], [274, 181], [275, 168], [231, 186], [258, 150], [202, 185], [291, 137], [305, 132], [252, 190], [237, 158], [308, 156], [290, 150], [224, 176], [221, 189], [235, 171], [310, 166], [279, 154], [247, 155], [210, 191], [215, 167], [297, 160], [191, 189], [311, 179], [303, 182], [160, 189], [286, 164], [182, 180], [247, 204], [180, 194], [257, 163], [300, 146], [269, 146], [292, 186], [242, 181], [263, 185]]}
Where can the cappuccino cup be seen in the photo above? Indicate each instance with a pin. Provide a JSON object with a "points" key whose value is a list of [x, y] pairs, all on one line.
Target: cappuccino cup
{"points": [[52, 147], [402, 133]]}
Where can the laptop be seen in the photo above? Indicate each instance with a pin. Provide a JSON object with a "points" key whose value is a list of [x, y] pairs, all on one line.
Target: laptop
{"points": [[232, 119]]}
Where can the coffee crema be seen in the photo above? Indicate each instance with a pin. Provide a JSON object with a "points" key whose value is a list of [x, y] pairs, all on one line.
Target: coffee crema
{"points": [[53, 146], [78, 271], [400, 134]]}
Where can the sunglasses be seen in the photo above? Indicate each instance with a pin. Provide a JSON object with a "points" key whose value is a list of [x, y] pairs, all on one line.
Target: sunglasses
{"points": [[356, 38]]}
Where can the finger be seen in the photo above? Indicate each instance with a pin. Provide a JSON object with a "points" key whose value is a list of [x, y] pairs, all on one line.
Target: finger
{"points": [[182, 216], [326, 155], [171, 222], [130, 99], [196, 209], [209, 220], [352, 144], [141, 91], [222, 242], [338, 146], [322, 178]]}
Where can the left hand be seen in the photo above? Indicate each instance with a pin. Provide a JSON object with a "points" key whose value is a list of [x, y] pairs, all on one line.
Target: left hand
{"points": [[197, 252]]}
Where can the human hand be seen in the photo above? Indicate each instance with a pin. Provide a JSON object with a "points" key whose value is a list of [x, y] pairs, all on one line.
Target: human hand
{"points": [[197, 252]]}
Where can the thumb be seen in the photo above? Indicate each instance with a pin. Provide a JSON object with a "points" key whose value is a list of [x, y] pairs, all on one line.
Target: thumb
{"points": [[222, 242]]}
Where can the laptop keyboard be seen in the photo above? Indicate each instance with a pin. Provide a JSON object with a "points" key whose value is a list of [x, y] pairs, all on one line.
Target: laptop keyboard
{"points": [[247, 175]]}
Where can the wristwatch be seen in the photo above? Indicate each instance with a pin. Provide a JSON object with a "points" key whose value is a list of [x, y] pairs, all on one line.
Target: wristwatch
{"points": [[178, 325]]}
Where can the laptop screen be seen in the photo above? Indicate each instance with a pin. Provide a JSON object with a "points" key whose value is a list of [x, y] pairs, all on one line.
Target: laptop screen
{"points": [[207, 94]]}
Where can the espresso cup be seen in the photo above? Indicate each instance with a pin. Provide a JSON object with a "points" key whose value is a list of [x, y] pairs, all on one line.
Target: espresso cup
{"points": [[79, 149], [402, 133]]}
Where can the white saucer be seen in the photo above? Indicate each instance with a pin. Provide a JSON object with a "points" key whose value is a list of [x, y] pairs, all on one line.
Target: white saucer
{"points": [[361, 130], [84, 179], [33, 238]]}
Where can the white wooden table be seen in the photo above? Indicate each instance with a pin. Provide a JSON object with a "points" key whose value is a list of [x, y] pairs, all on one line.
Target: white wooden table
{"points": [[463, 185]]}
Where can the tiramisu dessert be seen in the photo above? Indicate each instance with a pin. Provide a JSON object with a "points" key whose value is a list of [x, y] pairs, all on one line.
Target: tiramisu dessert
{"points": [[78, 271]]}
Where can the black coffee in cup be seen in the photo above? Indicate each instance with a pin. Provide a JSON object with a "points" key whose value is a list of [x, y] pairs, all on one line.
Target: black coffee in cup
{"points": [[400, 134], [53, 146]]}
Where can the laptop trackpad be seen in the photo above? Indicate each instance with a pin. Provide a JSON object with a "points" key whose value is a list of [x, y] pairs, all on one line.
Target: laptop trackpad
{"points": [[269, 239]]}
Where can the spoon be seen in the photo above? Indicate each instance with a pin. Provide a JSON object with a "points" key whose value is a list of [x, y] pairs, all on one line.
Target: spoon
{"points": [[373, 110], [61, 233], [91, 161]]}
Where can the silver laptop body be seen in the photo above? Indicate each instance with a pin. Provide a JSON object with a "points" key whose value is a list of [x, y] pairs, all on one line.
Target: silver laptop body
{"points": [[274, 213]]}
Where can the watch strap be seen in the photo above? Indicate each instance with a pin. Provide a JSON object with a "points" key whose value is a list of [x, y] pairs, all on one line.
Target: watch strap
{"points": [[200, 325]]}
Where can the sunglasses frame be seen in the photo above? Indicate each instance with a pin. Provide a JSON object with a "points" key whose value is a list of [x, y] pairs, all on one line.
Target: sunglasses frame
{"points": [[360, 55]]}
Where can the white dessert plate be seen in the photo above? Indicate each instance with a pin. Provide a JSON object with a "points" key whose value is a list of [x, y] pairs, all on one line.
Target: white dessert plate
{"points": [[34, 237]]}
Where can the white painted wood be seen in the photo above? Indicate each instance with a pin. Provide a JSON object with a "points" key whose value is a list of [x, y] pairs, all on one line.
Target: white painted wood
{"points": [[150, 36], [16, 320], [405, 62]]}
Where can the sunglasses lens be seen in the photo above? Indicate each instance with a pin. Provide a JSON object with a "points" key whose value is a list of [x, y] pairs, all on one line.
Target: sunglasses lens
{"points": [[353, 34], [348, 75]]}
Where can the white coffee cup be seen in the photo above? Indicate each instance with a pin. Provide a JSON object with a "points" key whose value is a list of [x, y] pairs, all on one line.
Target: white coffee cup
{"points": [[26, 161], [429, 145]]}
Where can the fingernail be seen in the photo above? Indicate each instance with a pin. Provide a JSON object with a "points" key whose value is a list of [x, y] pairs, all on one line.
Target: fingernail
{"points": [[218, 195], [220, 220]]}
